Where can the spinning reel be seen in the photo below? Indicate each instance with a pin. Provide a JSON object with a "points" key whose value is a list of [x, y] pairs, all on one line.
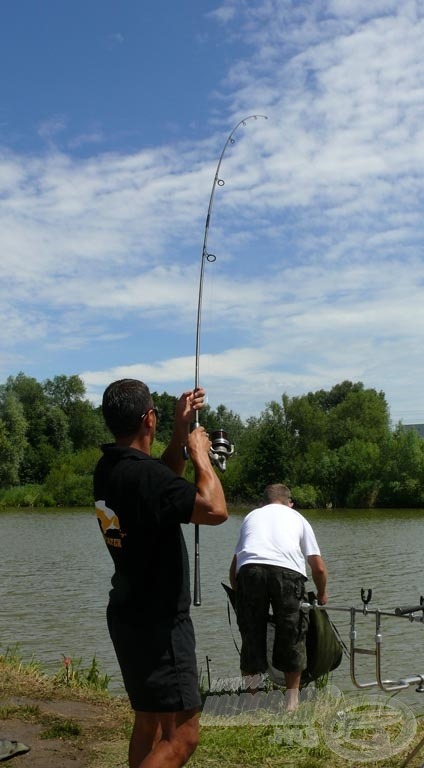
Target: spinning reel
{"points": [[220, 450]]}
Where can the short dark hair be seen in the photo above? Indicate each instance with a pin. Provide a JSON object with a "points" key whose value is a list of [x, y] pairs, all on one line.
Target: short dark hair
{"points": [[123, 404], [277, 492]]}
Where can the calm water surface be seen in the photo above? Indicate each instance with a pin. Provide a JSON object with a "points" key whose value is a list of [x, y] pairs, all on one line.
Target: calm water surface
{"points": [[56, 574]]}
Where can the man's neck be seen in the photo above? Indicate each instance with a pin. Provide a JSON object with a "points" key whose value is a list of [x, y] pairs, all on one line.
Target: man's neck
{"points": [[140, 444]]}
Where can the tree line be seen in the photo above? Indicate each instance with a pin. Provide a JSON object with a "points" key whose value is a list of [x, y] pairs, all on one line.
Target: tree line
{"points": [[334, 448]]}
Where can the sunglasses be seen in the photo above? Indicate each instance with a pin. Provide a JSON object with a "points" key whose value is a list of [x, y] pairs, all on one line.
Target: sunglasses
{"points": [[155, 411]]}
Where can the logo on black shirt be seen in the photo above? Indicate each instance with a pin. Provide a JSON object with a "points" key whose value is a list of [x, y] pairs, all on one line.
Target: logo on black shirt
{"points": [[109, 525]]}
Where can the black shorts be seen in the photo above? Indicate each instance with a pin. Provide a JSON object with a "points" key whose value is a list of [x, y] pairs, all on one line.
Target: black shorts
{"points": [[157, 661], [258, 588]]}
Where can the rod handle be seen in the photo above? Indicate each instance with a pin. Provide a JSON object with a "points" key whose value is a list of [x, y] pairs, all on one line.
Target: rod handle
{"points": [[403, 610], [197, 598]]}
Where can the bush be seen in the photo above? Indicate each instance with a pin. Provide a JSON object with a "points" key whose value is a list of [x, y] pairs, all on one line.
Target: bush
{"points": [[363, 495], [70, 481], [27, 496], [70, 489], [305, 496]]}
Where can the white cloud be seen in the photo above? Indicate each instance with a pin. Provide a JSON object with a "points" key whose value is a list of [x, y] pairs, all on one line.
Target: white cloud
{"points": [[225, 12], [52, 126], [90, 137]]}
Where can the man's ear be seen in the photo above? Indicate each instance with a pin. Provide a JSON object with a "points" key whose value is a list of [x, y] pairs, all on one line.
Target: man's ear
{"points": [[149, 419]]}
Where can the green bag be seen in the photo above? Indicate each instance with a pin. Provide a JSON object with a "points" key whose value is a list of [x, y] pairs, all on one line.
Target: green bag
{"points": [[324, 648]]}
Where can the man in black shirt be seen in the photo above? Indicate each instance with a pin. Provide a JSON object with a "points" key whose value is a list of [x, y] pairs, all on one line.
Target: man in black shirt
{"points": [[140, 504]]}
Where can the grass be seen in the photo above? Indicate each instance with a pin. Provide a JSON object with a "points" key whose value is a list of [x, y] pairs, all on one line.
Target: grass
{"points": [[61, 729], [53, 727], [99, 725], [18, 676], [72, 674], [27, 713]]}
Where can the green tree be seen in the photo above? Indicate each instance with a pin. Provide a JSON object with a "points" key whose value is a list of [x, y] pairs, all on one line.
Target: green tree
{"points": [[166, 405], [306, 421], [320, 470], [31, 396], [268, 448], [64, 391], [403, 470], [86, 426], [358, 473], [14, 438], [327, 400], [46, 430], [7, 459], [363, 415]]}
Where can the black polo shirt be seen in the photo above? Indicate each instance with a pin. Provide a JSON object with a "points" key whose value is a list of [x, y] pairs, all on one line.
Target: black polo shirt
{"points": [[140, 504]]}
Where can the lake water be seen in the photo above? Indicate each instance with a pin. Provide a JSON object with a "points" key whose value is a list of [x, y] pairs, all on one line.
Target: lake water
{"points": [[56, 575]]}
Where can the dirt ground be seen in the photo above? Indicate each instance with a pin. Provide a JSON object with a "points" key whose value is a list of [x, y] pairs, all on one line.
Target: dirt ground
{"points": [[65, 732], [47, 752]]}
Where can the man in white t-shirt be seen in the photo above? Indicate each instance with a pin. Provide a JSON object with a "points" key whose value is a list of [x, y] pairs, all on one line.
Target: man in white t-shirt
{"points": [[269, 569]]}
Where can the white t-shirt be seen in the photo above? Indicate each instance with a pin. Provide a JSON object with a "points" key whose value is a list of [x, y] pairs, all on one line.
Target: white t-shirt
{"points": [[276, 535]]}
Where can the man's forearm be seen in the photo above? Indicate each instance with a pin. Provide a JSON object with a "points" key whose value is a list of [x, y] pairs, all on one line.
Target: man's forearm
{"points": [[319, 575], [209, 486], [320, 581], [210, 506]]}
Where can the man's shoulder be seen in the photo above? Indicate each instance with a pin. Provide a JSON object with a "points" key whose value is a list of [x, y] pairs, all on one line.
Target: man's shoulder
{"points": [[121, 461], [123, 456], [301, 520], [251, 515]]}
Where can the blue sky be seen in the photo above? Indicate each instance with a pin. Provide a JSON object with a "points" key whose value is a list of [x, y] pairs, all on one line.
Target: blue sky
{"points": [[112, 120]]}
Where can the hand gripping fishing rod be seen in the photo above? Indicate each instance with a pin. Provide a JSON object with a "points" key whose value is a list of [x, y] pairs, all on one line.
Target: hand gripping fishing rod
{"points": [[221, 449]]}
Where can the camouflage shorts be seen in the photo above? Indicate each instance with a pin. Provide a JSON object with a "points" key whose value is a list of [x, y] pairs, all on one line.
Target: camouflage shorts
{"points": [[258, 588]]}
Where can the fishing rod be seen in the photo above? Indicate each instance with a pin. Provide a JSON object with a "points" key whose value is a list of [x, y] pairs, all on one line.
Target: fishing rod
{"points": [[221, 449]]}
